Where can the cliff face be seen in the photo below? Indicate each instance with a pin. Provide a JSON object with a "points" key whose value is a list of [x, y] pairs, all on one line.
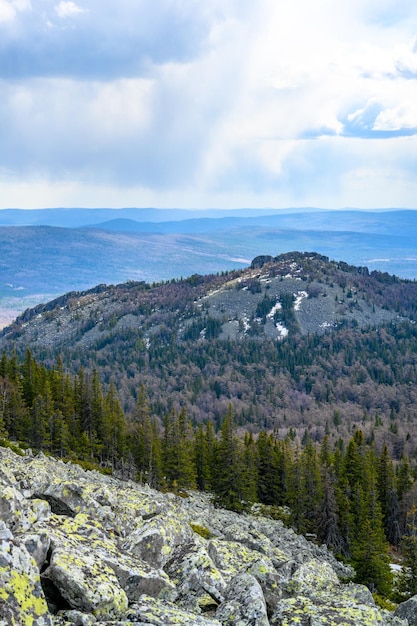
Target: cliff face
{"points": [[80, 548]]}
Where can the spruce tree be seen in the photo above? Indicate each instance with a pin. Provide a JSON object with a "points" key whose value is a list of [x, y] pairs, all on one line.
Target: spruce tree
{"points": [[407, 579], [388, 498], [228, 485], [267, 469], [178, 461]]}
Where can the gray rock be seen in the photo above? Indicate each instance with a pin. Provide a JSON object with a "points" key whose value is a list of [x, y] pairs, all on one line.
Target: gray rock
{"points": [[151, 611], [318, 597], [5, 533], [105, 545], [22, 600], [75, 618], [157, 539], [37, 545], [244, 604], [408, 611], [270, 581], [199, 583]]}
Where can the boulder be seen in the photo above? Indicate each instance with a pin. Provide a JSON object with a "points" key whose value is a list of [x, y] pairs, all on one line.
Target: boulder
{"points": [[270, 581], [199, 583], [86, 539], [85, 583], [37, 544], [22, 600], [231, 557], [157, 539], [408, 611], [318, 597], [244, 603], [151, 611]]}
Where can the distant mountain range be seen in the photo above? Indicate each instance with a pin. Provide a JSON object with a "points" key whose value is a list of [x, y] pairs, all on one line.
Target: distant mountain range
{"points": [[47, 252]]}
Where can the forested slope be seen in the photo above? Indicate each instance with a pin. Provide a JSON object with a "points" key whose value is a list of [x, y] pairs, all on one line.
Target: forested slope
{"points": [[296, 342]]}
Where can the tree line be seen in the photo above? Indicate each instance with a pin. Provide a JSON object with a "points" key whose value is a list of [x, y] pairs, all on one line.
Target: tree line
{"points": [[356, 501]]}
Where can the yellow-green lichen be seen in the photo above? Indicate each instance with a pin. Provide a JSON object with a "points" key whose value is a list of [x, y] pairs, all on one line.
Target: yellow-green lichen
{"points": [[201, 530]]}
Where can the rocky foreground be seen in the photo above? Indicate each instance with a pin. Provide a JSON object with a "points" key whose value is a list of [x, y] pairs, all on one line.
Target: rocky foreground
{"points": [[81, 548]]}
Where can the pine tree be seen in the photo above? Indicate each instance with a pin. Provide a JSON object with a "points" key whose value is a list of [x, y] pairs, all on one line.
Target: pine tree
{"points": [[388, 498], [267, 469], [369, 551], [41, 414], [229, 480], [407, 579], [201, 459], [249, 469], [178, 443], [113, 430], [140, 441]]}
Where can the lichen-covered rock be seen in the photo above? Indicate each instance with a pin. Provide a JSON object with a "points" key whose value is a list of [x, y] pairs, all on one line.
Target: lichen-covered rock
{"points": [[151, 611], [408, 611], [76, 618], [269, 580], [22, 601], [341, 611], [86, 539], [37, 545], [199, 583], [19, 513], [5, 533], [102, 546], [231, 557], [319, 598], [10, 505], [85, 583], [244, 603], [313, 578], [157, 539]]}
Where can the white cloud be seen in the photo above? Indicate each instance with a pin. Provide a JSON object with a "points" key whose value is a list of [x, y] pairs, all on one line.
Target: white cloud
{"points": [[7, 11], [68, 9], [237, 102]]}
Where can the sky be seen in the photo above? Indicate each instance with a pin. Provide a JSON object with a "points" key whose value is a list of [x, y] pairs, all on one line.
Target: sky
{"points": [[214, 104]]}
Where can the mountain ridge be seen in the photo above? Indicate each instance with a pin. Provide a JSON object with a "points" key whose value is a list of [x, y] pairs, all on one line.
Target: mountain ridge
{"points": [[42, 262], [291, 341]]}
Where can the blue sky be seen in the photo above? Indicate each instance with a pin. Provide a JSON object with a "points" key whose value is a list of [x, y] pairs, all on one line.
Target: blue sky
{"points": [[221, 103]]}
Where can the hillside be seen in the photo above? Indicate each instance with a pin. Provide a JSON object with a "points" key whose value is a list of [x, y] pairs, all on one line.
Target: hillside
{"points": [[293, 342], [79, 548], [49, 252]]}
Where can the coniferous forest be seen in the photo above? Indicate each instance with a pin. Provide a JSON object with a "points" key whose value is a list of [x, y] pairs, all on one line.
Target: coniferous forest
{"points": [[348, 495]]}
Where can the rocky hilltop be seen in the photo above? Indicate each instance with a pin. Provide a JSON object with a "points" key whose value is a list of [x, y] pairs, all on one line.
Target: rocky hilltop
{"points": [[82, 548]]}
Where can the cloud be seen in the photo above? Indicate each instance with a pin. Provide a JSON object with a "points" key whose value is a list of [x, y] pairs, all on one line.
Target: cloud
{"points": [[209, 102], [104, 42], [9, 9], [68, 9]]}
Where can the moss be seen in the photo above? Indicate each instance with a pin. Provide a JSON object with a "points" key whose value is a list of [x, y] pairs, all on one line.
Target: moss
{"points": [[384, 603], [14, 447], [201, 530]]}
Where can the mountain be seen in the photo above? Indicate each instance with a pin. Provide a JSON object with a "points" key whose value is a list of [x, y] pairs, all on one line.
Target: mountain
{"points": [[296, 343], [78, 217], [75, 249]]}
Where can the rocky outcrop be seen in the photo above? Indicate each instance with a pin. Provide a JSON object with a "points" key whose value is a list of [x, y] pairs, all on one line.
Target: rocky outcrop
{"points": [[79, 548]]}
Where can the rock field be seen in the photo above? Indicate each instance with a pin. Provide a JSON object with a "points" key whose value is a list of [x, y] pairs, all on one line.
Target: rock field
{"points": [[79, 548]]}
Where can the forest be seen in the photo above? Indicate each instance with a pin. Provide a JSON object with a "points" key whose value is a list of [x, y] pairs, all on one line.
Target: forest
{"points": [[347, 494], [204, 342]]}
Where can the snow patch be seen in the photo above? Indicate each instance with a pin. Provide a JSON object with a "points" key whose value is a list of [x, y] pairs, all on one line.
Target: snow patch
{"points": [[299, 297], [274, 309], [283, 331]]}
